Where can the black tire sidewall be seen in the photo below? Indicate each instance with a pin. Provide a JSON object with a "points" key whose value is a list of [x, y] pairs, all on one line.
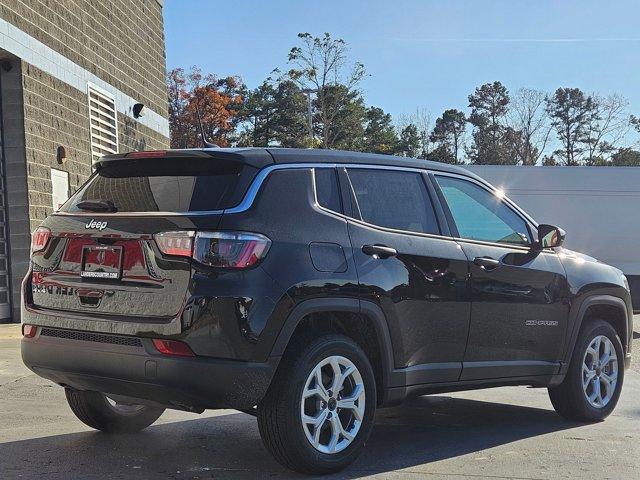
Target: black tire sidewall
{"points": [[93, 409], [317, 351]]}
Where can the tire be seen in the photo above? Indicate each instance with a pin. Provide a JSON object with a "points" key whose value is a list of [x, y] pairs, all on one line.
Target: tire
{"points": [[280, 421], [94, 410], [570, 397]]}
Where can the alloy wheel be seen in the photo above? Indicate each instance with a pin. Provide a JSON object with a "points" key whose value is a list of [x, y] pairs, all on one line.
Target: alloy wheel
{"points": [[124, 408], [333, 404], [600, 371]]}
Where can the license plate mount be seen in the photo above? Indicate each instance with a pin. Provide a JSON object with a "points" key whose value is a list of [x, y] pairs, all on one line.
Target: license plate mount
{"points": [[102, 262]]}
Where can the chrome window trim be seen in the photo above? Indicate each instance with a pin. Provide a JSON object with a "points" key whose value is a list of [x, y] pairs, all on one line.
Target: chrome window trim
{"points": [[256, 184], [137, 214], [347, 218], [316, 203], [243, 206], [487, 186]]}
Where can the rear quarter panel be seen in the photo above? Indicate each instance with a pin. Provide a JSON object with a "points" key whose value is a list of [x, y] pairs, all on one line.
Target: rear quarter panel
{"points": [[286, 212]]}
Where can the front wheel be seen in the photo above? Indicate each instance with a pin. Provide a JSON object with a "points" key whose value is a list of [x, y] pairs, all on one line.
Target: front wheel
{"points": [[100, 412], [319, 410], [591, 389]]}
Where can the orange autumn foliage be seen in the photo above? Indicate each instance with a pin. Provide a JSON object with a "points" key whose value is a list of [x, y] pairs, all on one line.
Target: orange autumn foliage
{"points": [[218, 110], [218, 99]]}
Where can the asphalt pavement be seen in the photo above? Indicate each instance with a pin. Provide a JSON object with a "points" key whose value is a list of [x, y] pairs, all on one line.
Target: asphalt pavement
{"points": [[509, 432]]}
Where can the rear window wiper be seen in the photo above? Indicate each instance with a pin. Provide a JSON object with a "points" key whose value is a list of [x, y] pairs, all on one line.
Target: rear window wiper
{"points": [[97, 206]]}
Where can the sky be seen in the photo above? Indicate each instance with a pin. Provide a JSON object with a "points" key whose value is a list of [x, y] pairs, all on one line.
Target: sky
{"points": [[422, 53]]}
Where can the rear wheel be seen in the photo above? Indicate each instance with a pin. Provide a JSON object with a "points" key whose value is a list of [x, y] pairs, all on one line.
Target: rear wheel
{"points": [[591, 389], [100, 412], [319, 410]]}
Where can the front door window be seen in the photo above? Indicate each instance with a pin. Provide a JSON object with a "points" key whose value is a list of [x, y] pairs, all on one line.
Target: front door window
{"points": [[480, 215]]}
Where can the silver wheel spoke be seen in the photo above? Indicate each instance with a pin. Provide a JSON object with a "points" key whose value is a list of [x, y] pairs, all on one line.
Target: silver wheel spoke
{"points": [[347, 435], [339, 375], [318, 388], [336, 432], [609, 383], [346, 374], [588, 377], [595, 396], [608, 379], [607, 358], [316, 421], [596, 346], [349, 402], [606, 354]]}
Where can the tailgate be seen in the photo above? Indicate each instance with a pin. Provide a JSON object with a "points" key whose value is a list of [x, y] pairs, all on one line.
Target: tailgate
{"points": [[117, 271], [97, 260]]}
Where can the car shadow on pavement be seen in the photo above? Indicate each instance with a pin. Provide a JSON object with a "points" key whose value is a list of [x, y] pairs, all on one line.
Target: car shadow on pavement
{"points": [[421, 431], [432, 428]]}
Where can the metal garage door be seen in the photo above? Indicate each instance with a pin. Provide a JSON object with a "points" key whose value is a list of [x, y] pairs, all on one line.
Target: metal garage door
{"points": [[5, 290]]}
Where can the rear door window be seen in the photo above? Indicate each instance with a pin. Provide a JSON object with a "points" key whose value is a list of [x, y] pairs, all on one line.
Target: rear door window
{"points": [[161, 185], [393, 199]]}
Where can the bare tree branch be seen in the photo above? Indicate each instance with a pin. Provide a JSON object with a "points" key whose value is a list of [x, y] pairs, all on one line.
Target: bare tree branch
{"points": [[608, 125], [320, 64], [528, 117]]}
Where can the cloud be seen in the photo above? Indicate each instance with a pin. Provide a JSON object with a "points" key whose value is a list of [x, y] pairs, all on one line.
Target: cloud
{"points": [[515, 40]]}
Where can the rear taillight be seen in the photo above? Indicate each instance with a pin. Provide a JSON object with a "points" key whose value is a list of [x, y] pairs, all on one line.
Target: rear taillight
{"points": [[39, 239], [234, 250], [173, 347], [175, 243], [230, 249]]}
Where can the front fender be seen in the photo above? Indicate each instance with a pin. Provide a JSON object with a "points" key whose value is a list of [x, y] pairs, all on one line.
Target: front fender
{"points": [[612, 297]]}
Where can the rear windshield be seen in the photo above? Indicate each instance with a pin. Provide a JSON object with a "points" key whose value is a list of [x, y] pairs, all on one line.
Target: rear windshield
{"points": [[160, 185]]}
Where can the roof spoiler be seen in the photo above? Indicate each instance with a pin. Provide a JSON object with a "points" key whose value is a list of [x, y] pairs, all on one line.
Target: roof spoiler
{"points": [[255, 157]]}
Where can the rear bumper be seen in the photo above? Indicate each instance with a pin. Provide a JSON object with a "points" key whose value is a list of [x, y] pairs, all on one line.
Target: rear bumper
{"points": [[140, 372]]}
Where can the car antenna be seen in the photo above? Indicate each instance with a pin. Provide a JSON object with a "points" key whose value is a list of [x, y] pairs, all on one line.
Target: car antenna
{"points": [[205, 142]]}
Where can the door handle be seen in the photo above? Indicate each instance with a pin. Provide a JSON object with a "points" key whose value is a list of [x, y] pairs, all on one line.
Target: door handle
{"points": [[486, 263], [379, 251]]}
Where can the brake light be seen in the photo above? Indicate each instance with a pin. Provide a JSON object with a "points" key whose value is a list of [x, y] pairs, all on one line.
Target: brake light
{"points": [[39, 239], [235, 250], [175, 243], [173, 347], [29, 331], [148, 154]]}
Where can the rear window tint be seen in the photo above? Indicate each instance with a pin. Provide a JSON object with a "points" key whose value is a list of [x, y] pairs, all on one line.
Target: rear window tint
{"points": [[162, 185], [393, 199]]}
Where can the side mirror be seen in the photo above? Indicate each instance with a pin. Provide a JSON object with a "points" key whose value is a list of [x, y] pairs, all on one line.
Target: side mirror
{"points": [[550, 236]]}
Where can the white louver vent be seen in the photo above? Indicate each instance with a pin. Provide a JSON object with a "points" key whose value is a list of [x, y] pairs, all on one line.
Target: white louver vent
{"points": [[104, 123]]}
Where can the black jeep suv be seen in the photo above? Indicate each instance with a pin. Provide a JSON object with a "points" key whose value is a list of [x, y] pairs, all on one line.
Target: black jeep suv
{"points": [[310, 287]]}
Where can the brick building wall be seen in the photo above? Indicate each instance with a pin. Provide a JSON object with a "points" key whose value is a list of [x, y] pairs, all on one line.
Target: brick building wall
{"points": [[120, 41], [57, 114], [50, 51]]}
